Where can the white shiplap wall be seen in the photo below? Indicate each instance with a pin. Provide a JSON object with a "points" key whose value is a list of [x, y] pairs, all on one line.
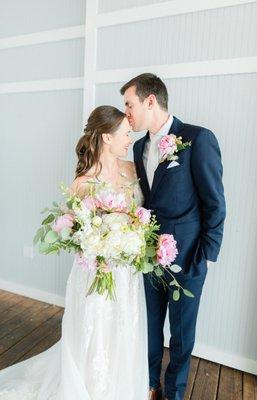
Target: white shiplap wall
{"points": [[41, 107]]}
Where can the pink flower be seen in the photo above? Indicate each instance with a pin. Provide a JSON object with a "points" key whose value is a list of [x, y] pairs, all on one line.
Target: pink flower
{"points": [[167, 249], [167, 145], [143, 215], [84, 262], [90, 203], [110, 200], [64, 221]]}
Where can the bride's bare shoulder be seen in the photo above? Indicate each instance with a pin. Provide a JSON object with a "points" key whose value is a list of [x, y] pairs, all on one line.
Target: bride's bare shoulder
{"points": [[79, 186], [129, 168]]}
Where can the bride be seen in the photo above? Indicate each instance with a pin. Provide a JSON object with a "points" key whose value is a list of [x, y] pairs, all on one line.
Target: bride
{"points": [[102, 354]]}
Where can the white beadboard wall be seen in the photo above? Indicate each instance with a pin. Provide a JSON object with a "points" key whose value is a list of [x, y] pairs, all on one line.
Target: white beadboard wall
{"points": [[228, 32], [29, 16], [40, 130]]}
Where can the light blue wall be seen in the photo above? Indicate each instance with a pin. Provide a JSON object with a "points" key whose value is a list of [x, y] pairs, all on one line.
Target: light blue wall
{"points": [[29, 16], [39, 131]]}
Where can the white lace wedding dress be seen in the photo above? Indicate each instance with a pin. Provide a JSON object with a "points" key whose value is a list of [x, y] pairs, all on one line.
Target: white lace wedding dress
{"points": [[102, 354]]}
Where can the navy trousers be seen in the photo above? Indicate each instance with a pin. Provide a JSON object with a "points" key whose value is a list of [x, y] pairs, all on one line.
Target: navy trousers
{"points": [[182, 318]]}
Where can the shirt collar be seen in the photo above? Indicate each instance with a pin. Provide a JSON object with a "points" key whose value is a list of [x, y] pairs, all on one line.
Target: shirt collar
{"points": [[163, 131]]}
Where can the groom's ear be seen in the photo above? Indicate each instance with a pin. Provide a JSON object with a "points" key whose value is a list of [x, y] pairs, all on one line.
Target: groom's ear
{"points": [[151, 101]]}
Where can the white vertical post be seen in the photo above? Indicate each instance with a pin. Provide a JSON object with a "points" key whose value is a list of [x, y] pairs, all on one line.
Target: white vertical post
{"points": [[90, 58]]}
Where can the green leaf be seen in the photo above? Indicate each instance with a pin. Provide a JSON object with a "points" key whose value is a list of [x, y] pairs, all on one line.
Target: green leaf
{"points": [[55, 204], [52, 250], [176, 295], [188, 293], [38, 235], [175, 268], [65, 233], [51, 237], [158, 271], [150, 251], [48, 219], [147, 267], [69, 203], [44, 210], [43, 247]]}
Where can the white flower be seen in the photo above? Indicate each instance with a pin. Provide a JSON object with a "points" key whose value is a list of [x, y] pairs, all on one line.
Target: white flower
{"points": [[92, 243], [132, 242], [112, 244], [116, 220], [82, 213], [97, 221]]}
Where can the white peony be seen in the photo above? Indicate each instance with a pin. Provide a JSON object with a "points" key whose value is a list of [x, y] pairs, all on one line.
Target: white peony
{"points": [[112, 244], [116, 220], [132, 242]]}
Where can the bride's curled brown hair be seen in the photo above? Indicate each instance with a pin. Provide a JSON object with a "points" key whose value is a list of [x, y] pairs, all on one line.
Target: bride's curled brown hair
{"points": [[104, 119]]}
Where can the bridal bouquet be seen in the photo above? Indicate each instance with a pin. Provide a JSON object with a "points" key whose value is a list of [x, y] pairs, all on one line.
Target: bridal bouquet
{"points": [[106, 232]]}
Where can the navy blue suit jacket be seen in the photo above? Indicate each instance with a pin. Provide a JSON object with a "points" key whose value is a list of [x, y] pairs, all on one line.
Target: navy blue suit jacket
{"points": [[188, 199]]}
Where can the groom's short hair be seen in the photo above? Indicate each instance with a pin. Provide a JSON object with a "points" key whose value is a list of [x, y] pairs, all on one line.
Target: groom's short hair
{"points": [[147, 84]]}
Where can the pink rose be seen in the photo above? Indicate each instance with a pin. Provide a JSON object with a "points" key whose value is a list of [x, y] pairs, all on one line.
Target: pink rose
{"points": [[64, 221], [89, 203], [167, 145], [167, 249], [143, 215]]}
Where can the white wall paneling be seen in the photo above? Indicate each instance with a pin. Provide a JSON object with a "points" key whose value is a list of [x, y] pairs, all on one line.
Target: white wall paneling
{"points": [[29, 16], [43, 61], [90, 58], [41, 96], [94, 21], [163, 9], [203, 68], [182, 70], [40, 86], [54, 35]]}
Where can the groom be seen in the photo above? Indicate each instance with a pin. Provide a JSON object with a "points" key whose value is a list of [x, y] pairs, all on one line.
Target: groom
{"points": [[186, 195]]}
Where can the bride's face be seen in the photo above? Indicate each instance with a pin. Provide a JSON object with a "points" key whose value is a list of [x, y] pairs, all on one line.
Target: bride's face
{"points": [[120, 140]]}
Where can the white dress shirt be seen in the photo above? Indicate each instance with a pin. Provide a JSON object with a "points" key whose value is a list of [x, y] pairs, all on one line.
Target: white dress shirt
{"points": [[151, 154]]}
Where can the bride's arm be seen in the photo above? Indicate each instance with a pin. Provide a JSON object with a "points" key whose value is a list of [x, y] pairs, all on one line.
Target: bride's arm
{"points": [[79, 187]]}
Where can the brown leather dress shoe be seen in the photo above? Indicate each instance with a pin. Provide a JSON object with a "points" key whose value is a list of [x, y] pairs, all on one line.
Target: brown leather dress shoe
{"points": [[155, 394]]}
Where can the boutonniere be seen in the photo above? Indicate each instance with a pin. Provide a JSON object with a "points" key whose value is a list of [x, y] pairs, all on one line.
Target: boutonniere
{"points": [[170, 145]]}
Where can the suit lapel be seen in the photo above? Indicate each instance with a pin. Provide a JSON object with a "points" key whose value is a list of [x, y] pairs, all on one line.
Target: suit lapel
{"points": [[141, 168], [175, 128]]}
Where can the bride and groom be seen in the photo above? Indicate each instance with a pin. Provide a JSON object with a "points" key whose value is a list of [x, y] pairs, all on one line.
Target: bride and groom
{"points": [[113, 350]]}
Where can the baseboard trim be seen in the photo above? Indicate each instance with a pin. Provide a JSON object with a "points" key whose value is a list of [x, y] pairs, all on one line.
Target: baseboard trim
{"points": [[33, 293], [221, 357]]}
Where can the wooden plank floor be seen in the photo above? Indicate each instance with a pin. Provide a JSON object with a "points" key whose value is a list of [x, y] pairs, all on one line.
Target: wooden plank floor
{"points": [[28, 327]]}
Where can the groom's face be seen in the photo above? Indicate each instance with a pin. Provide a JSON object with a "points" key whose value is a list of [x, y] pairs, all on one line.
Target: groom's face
{"points": [[136, 111]]}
